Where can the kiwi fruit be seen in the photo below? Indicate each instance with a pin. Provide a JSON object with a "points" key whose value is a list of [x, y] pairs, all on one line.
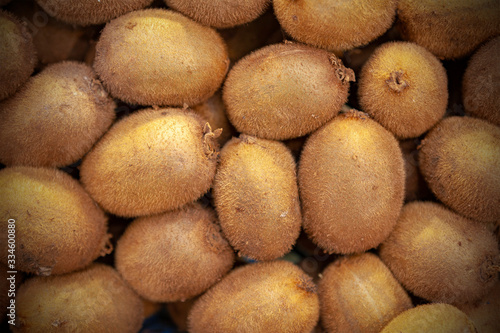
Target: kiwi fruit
{"points": [[441, 256], [59, 228], [95, 299], [256, 197], [176, 60], [220, 13], [150, 162], [449, 29], [404, 87], [484, 313], [415, 186], [351, 181], [214, 111], [274, 296], [17, 54], [55, 118], [87, 12], [437, 317], [54, 41], [359, 294], [460, 161], [480, 84], [173, 256], [283, 91], [335, 25]]}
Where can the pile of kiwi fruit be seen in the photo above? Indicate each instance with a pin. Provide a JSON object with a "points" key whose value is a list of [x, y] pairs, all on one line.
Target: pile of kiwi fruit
{"points": [[250, 166]]}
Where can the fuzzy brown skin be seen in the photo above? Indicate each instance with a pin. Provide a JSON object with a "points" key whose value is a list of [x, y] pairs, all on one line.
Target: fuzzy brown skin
{"points": [[175, 60], [174, 256], [485, 313], [59, 228], [460, 160], [150, 162], [439, 317], [17, 54], [55, 118], [213, 111], [404, 87], [360, 294], [256, 197], [335, 25], [87, 12], [441, 256], [481, 83], [450, 28], [96, 300], [220, 13], [54, 40], [284, 91], [415, 186], [272, 296], [351, 181]]}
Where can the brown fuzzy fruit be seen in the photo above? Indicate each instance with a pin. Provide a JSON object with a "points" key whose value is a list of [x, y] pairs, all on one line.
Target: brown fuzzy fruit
{"points": [[55, 118], [480, 84], [92, 300], [485, 313], [213, 111], [150, 162], [87, 12], [173, 256], [175, 60], [256, 197], [460, 160], [351, 181], [17, 54], [439, 317], [274, 296], [335, 25], [220, 13], [360, 294], [441, 256], [404, 87], [449, 28], [284, 91], [58, 228]]}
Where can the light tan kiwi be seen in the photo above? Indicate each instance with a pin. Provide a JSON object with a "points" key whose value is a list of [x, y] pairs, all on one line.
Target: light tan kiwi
{"points": [[220, 13], [176, 60], [450, 28], [55, 118], [17, 54], [335, 25], [58, 228], [359, 294], [174, 256], [441, 256], [438, 317], [95, 299], [404, 87], [214, 111], [54, 40], [481, 83], [485, 313], [460, 160], [152, 161], [351, 181], [283, 91], [256, 197], [87, 12], [274, 296]]}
